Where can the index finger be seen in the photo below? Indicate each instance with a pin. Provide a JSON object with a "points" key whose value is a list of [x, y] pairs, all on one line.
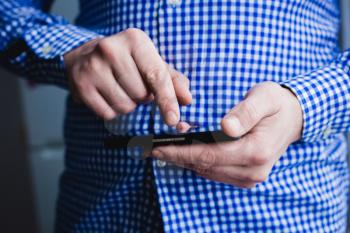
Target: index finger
{"points": [[158, 79], [206, 156]]}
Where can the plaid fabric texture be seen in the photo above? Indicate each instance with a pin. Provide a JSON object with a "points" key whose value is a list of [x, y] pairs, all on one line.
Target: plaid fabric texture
{"points": [[224, 47]]}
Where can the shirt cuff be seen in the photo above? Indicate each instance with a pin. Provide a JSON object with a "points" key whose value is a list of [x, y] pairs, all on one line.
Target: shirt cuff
{"points": [[51, 41], [47, 45], [324, 98]]}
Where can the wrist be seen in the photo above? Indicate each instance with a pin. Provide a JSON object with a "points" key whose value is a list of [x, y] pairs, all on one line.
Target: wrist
{"points": [[293, 107], [84, 49]]}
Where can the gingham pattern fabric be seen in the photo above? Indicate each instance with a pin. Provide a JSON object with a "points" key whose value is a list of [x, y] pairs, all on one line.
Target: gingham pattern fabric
{"points": [[224, 47]]}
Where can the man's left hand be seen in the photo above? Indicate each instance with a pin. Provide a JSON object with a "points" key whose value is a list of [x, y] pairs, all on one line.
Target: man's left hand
{"points": [[268, 120]]}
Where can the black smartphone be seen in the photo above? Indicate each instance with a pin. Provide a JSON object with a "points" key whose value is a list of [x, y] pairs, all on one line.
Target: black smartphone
{"points": [[151, 141]]}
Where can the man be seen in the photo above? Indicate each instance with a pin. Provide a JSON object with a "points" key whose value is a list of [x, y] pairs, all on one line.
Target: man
{"points": [[269, 72]]}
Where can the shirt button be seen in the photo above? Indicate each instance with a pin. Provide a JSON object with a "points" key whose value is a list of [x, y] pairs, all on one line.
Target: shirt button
{"points": [[327, 132], [174, 3], [46, 50], [160, 163]]}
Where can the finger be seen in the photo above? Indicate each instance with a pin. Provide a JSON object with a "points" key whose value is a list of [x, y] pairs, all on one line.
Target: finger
{"points": [[129, 78], [206, 155], [114, 94], [254, 174], [194, 154], [241, 152], [97, 103], [243, 117], [226, 180], [158, 79], [181, 86]]}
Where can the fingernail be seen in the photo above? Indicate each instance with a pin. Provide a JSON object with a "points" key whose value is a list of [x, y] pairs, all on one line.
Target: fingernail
{"points": [[156, 153], [183, 127], [171, 118]]}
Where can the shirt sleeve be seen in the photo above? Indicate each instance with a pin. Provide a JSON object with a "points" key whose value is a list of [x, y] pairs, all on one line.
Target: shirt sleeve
{"points": [[324, 95], [32, 42]]}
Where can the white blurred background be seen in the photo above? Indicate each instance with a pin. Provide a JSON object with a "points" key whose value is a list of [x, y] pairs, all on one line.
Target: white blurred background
{"points": [[32, 146]]}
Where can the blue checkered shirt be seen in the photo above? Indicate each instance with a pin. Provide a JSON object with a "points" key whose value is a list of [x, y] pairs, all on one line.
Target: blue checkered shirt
{"points": [[224, 47]]}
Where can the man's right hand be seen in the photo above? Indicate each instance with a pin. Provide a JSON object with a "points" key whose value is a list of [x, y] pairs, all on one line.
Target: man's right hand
{"points": [[113, 74]]}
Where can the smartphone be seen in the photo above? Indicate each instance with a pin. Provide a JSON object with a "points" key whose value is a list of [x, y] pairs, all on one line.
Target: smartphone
{"points": [[151, 141]]}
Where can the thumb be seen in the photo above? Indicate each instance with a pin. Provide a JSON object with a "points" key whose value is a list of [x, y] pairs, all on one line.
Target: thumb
{"points": [[248, 113]]}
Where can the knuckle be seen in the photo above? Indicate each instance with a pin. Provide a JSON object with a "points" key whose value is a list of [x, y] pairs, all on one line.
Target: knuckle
{"points": [[91, 64], [250, 110], [104, 45], [165, 102], [184, 80], [207, 159], [155, 76], [107, 49], [265, 154], [259, 159], [179, 157], [175, 74], [134, 34], [257, 155], [262, 177], [257, 177]]}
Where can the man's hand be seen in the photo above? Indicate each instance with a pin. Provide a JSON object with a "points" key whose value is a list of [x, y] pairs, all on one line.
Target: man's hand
{"points": [[112, 75], [269, 119]]}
